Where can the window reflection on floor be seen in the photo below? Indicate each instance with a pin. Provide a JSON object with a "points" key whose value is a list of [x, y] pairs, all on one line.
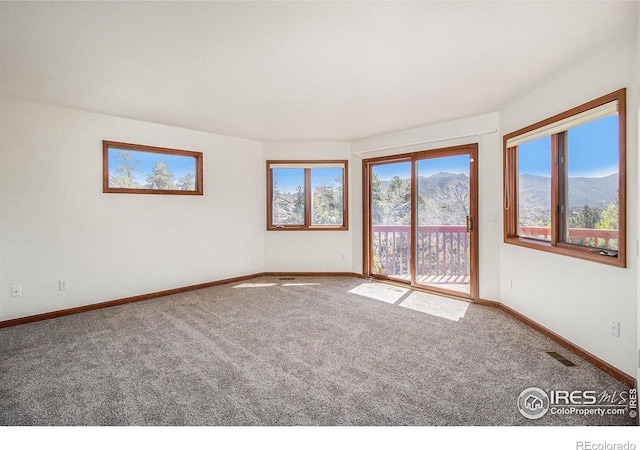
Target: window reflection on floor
{"points": [[254, 285], [378, 291], [443, 307]]}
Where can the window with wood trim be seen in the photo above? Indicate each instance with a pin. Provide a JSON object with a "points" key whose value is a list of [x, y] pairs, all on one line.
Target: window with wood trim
{"points": [[307, 195], [143, 169], [565, 182]]}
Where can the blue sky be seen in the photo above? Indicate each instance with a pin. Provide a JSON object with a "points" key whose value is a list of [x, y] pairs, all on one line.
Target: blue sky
{"points": [[178, 165], [427, 167], [593, 151], [288, 179]]}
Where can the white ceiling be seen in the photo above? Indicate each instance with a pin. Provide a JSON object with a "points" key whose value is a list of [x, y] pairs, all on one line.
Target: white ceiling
{"points": [[296, 70]]}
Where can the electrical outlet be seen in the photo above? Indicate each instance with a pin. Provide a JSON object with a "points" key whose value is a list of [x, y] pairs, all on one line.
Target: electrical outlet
{"points": [[16, 291], [510, 283], [614, 328], [63, 285]]}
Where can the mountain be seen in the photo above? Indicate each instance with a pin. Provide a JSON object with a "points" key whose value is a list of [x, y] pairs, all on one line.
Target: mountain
{"points": [[535, 191], [598, 192], [433, 182]]}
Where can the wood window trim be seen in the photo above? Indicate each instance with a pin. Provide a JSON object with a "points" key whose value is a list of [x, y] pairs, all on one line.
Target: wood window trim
{"points": [[510, 171], [198, 156], [307, 226]]}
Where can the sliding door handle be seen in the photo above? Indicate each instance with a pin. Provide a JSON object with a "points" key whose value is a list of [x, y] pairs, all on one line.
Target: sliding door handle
{"points": [[469, 224]]}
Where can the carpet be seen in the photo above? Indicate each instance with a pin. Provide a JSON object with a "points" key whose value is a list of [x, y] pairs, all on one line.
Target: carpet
{"points": [[272, 352]]}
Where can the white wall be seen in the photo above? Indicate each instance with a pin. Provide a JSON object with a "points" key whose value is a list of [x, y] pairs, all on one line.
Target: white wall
{"points": [[55, 222], [309, 251], [449, 134], [576, 298]]}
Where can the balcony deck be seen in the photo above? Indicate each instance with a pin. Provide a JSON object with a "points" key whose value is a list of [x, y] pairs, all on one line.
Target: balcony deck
{"points": [[444, 251], [443, 255]]}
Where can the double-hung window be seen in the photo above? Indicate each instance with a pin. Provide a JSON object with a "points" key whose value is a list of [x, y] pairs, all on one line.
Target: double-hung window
{"points": [[307, 195], [565, 182]]}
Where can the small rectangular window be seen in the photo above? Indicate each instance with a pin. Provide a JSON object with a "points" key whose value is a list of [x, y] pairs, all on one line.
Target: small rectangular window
{"points": [[565, 182], [142, 169], [307, 195]]}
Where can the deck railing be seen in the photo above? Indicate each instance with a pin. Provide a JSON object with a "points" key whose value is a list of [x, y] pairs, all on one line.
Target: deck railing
{"points": [[583, 236], [442, 250]]}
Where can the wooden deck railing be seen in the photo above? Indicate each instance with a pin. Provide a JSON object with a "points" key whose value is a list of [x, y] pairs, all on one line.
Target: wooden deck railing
{"points": [[583, 236], [442, 250]]}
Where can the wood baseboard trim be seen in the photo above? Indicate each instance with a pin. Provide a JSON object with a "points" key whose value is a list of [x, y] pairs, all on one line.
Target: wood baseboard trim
{"points": [[312, 274], [121, 301], [619, 375], [151, 295], [489, 303]]}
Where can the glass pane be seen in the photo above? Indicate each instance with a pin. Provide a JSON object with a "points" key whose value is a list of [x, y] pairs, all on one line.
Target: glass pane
{"points": [[326, 196], [391, 219], [133, 169], [592, 194], [288, 196], [443, 243], [534, 189]]}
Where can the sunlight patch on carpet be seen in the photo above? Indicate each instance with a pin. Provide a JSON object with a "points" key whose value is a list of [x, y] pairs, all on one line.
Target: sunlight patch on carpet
{"points": [[254, 285], [379, 291], [434, 305]]}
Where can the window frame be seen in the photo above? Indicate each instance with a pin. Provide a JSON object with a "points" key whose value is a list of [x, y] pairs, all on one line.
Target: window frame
{"points": [[109, 145], [559, 179], [308, 210]]}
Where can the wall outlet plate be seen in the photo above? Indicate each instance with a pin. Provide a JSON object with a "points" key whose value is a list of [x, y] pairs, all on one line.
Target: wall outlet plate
{"points": [[614, 328]]}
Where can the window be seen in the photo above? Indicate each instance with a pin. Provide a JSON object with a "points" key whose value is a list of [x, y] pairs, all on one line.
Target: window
{"points": [[307, 195], [565, 182], [141, 169]]}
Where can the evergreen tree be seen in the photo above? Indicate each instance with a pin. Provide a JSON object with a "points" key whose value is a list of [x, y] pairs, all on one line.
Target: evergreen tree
{"points": [[187, 183], [588, 217], [327, 203], [298, 205], [123, 176], [161, 178], [399, 202]]}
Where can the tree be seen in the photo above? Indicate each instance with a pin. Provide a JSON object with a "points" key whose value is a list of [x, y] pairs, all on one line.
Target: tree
{"points": [[377, 198], [187, 183], [588, 217], [609, 218], [447, 205], [398, 202], [123, 176], [327, 203], [161, 178], [288, 208]]}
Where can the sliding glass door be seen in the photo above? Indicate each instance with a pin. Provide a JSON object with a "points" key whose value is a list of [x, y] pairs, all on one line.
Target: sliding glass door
{"points": [[421, 210]]}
